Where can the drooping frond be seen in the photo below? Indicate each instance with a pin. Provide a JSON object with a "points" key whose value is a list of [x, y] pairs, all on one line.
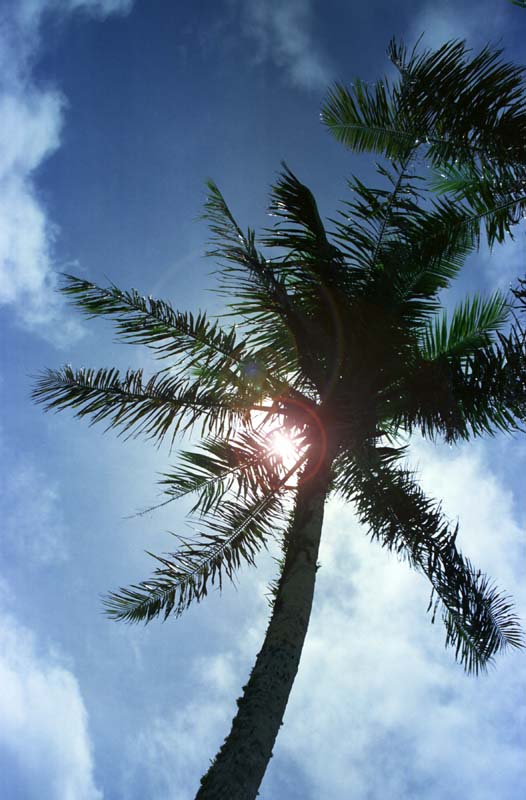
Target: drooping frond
{"points": [[133, 405], [479, 621], [234, 534]]}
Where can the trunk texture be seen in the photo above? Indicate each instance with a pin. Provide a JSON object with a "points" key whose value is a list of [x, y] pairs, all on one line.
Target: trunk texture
{"points": [[239, 767]]}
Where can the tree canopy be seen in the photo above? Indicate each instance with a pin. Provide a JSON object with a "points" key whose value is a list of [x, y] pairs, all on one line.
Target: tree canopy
{"points": [[340, 338]]}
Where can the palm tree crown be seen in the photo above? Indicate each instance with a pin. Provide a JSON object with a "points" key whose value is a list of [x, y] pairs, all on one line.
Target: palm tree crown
{"points": [[340, 338]]}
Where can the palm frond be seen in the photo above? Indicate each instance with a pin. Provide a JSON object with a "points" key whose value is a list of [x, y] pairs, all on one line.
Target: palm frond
{"points": [[468, 113], [407, 251], [234, 535], [492, 388], [479, 621], [192, 342], [244, 464], [145, 320], [238, 252], [459, 395], [461, 106], [262, 296], [380, 216], [311, 258], [365, 120], [133, 405], [472, 327], [519, 292], [494, 193]]}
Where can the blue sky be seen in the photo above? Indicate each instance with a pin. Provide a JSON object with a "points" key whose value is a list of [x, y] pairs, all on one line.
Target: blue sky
{"points": [[114, 113]]}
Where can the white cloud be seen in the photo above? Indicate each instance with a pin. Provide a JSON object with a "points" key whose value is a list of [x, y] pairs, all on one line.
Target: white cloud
{"points": [[32, 521], [28, 13], [379, 708], [102, 7], [283, 33], [43, 722], [32, 120], [440, 22], [170, 754], [33, 528]]}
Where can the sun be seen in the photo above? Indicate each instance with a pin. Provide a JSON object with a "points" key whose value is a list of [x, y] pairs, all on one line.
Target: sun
{"points": [[284, 446]]}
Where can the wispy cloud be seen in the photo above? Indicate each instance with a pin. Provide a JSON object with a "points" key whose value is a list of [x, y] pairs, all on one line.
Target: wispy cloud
{"points": [[43, 722], [284, 34], [32, 120], [33, 528], [440, 22]]}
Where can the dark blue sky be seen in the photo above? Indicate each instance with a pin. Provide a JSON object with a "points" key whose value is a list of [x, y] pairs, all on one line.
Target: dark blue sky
{"points": [[115, 113]]}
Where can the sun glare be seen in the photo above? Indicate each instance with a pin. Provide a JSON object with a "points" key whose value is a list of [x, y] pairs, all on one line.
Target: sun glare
{"points": [[285, 448]]}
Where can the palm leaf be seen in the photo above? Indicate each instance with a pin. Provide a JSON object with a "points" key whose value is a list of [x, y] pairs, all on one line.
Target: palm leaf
{"points": [[238, 252], [312, 259], [365, 120], [458, 396], [153, 407], [262, 295], [141, 320], [471, 328], [235, 534], [243, 464], [467, 113], [461, 106], [479, 621], [494, 194]]}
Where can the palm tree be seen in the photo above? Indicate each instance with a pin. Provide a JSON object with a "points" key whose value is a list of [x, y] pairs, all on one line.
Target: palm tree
{"points": [[340, 341]]}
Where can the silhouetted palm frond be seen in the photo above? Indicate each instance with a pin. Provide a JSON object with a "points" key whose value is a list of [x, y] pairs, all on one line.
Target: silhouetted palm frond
{"points": [[479, 620]]}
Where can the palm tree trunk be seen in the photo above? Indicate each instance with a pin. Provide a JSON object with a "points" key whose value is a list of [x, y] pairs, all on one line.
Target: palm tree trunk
{"points": [[238, 769]]}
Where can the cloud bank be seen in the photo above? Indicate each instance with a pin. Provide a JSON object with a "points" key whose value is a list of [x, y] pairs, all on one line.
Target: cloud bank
{"points": [[43, 722], [32, 120]]}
